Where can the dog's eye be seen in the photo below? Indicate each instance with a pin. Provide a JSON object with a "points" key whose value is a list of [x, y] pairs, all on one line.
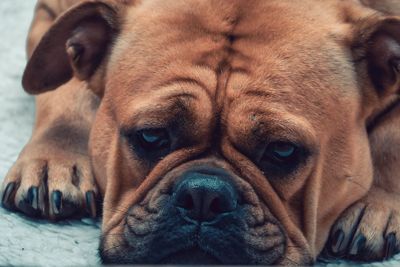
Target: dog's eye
{"points": [[153, 139], [281, 158], [281, 151], [151, 144]]}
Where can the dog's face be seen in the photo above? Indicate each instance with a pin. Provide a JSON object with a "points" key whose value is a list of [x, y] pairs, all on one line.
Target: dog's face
{"points": [[229, 132]]}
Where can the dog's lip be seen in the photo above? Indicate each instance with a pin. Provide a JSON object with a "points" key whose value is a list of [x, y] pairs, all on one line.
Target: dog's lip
{"points": [[191, 246]]}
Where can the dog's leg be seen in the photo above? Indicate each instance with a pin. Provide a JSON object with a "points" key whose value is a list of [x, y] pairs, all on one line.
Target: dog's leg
{"points": [[52, 177], [370, 229]]}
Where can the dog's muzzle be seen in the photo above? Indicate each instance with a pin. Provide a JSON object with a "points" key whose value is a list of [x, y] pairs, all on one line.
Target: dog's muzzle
{"points": [[201, 217]]}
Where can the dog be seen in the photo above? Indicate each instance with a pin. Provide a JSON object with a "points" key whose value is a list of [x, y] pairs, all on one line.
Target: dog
{"points": [[220, 132]]}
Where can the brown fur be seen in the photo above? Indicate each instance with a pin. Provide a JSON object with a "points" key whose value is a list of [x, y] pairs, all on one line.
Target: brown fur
{"points": [[229, 69]]}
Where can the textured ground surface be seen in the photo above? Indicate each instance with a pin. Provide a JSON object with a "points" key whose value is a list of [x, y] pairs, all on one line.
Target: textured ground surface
{"points": [[23, 241]]}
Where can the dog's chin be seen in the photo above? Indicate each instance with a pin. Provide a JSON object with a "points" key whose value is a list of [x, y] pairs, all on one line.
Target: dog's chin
{"points": [[194, 256]]}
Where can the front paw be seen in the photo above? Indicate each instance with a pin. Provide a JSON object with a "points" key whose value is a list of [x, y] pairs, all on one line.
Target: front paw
{"points": [[369, 230], [50, 183]]}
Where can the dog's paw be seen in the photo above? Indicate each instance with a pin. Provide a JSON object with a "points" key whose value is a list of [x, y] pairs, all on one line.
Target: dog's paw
{"points": [[369, 230], [51, 183]]}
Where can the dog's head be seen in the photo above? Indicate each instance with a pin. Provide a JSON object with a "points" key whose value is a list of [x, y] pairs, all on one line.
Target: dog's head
{"points": [[229, 131]]}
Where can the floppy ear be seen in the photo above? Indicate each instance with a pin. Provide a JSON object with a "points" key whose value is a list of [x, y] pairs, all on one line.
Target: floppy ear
{"points": [[76, 45], [382, 52], [384, 56]]}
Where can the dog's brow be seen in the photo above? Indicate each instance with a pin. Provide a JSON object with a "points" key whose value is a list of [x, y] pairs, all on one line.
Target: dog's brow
{"points": [[183, 95], [183, 80], [155, 115]]}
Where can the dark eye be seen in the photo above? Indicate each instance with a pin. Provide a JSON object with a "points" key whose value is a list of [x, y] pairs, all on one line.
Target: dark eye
{"points": [[281, 151], [150, 144], [153, 139], [281, 158]]}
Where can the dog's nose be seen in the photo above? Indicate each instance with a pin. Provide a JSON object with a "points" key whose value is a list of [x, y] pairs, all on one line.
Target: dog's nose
{"points": [[203, 197]]}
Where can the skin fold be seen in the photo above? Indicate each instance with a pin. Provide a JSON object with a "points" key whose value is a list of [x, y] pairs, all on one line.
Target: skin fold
{"points": [[224, 87]]}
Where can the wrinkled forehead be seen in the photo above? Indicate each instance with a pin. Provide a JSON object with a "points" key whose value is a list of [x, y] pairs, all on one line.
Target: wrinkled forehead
{"points": [[232, 52]]}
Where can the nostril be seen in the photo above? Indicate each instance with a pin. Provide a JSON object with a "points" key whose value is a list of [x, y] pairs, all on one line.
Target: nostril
{"points": [[187, 202], [222, 204], [215, 206]]}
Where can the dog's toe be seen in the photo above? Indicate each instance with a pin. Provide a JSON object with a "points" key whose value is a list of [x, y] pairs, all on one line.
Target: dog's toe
{"points": [[75, 194], [343, 231], [8, 195], [29, 197], [365, 232], [369, 238], [392, 236], [54, 189], [29, 202]]}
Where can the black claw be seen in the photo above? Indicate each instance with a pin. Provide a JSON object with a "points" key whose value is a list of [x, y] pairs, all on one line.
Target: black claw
{"points": [[337, 241], [32, 197], [7, 194], [358, 245], [390, 246], [91, 203], [56, 197]]}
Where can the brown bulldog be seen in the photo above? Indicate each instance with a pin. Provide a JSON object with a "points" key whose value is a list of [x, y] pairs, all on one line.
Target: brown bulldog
{"points": [[234, 132]]}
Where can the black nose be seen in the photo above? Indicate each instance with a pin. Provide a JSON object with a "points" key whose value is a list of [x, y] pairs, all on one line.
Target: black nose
{"points": [[203, 197]]}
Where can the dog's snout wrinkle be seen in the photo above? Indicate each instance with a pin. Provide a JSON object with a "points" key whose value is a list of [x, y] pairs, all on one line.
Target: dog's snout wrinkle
{"points": [[203, 197]]}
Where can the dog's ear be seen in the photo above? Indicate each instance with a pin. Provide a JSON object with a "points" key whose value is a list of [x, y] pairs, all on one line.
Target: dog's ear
{"points": [[378, 39], [76, 45], [384, 56]]}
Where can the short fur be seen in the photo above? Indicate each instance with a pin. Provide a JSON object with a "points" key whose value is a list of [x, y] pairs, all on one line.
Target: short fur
{"points": [[300, 70]]}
